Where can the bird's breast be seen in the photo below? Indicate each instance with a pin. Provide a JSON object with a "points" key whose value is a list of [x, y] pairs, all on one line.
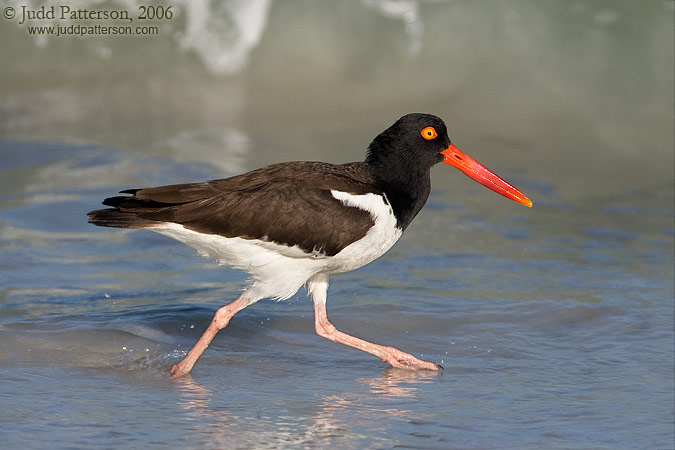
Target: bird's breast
{"points": [[380, 237]]}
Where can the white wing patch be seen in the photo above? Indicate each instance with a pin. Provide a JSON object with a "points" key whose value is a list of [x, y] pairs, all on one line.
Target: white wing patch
{"points": [[380, 238]]}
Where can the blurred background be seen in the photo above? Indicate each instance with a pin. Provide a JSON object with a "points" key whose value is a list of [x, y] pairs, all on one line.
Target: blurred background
{"points": [[578, 95], [555, 324]]}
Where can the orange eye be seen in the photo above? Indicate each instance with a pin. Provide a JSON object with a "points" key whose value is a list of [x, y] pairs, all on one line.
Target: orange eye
{"points": [[429, 133]]}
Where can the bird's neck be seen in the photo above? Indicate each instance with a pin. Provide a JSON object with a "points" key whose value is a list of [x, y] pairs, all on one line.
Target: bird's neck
{"points": [[407, 191]]}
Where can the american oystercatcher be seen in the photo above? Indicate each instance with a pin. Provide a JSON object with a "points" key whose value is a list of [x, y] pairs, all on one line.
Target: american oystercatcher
{"points": [[296, 223]]}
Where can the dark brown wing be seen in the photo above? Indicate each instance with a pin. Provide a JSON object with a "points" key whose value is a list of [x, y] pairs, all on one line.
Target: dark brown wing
{"points": [[307, 173], [288, 203]]}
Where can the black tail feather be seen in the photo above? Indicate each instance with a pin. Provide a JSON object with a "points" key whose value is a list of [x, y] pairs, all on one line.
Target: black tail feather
{"points": [[122, 201], [128, 211], [118, 219], [115, 201]]}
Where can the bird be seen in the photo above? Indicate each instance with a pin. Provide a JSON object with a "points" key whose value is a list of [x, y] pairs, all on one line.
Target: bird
{"points": [[297, 223]]}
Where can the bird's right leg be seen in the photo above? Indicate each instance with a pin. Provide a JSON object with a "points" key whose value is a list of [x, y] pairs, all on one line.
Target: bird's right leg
{"points": [[317, 286], [220, 321]]}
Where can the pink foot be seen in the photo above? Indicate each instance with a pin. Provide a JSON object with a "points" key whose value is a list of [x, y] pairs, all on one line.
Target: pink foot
{"points": [[402, 360], [177, 370]]}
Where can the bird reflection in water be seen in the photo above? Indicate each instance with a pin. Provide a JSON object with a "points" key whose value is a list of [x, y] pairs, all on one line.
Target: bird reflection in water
{"points": [[398, 383], [331, 417]]}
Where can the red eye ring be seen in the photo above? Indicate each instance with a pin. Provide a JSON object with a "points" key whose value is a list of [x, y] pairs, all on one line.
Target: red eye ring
{"points": [[429, 133]]}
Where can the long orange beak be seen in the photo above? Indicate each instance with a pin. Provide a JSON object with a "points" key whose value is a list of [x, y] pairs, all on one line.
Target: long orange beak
{"points": [[478, 172]]}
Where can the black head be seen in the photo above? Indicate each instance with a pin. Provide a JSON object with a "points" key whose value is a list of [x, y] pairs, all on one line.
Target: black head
{"points": [[410, 146], [400, 158]]}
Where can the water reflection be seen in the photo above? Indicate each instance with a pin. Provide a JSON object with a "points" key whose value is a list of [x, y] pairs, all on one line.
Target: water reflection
{"points": [[214, 425], [194, 398], [326, 418], [399, 383]]}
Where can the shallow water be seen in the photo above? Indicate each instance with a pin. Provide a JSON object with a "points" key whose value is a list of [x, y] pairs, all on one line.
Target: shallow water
{"points": [[555, 324]]}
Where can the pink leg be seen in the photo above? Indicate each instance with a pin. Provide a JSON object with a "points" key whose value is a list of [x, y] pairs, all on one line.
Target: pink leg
{"points": [[220, 321], [390, 355]]}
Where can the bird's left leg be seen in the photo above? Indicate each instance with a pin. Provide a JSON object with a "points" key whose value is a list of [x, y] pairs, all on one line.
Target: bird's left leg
{"points": [[220, 320]]}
